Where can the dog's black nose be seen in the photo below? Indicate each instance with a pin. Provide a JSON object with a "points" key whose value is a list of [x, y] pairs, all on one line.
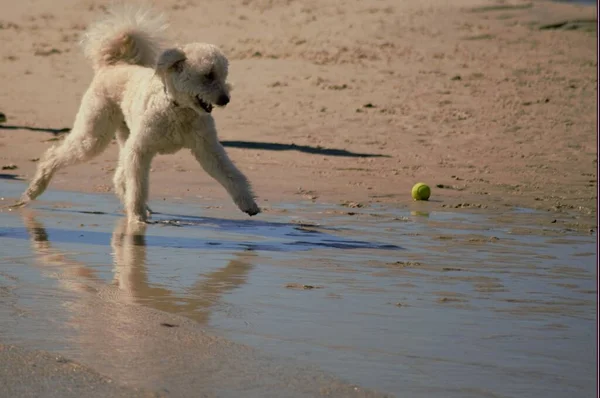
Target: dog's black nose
{"points": [[223, 100]]}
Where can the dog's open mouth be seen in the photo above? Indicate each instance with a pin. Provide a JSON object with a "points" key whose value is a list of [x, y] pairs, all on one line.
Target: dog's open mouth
{"points": [[204, 105]]}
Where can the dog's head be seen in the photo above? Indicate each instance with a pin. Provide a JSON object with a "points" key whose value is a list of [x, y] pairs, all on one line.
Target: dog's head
{"points": [[195, 75]]}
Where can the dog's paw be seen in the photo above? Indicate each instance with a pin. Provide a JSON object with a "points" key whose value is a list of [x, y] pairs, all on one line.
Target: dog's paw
{"points": [[252, 211], [24, 199], [15, 205], [20, 203], [248, 205], [137, 219]]}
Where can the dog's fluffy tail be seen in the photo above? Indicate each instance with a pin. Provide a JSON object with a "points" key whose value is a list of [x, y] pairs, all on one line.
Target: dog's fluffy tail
{"points": [[129, 34]]}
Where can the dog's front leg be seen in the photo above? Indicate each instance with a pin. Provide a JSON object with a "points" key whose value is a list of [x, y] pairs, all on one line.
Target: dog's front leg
{"points": [[214, 160], [135, 165]]}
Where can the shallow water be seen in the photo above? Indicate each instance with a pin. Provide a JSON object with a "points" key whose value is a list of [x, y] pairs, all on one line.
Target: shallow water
{"points": [[406, 301]]}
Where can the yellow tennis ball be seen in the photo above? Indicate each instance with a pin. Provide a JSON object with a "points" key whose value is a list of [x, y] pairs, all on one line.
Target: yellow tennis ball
{"points": [[421, 191]]}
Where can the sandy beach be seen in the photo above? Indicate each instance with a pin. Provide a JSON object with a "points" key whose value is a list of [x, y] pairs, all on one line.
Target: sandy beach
{"points": [[489, 100]]}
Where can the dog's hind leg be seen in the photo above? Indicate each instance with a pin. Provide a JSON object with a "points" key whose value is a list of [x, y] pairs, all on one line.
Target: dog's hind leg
{"points": [[119, 178], [93, 129]]}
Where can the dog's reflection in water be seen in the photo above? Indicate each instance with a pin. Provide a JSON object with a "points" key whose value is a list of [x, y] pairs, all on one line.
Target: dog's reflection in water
{"points": [[131, 274]]}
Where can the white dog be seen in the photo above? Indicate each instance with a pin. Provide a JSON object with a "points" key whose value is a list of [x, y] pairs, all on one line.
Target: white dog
{"points": [[156, 101]]}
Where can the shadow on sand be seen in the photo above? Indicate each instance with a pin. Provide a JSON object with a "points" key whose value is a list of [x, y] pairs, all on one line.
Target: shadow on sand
{"points": [[266, 146]]}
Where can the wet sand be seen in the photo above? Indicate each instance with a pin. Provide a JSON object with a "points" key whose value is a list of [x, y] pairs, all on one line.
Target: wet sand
{"points": [[132, 332], [311, 299], [164, 355], [26, 373]]}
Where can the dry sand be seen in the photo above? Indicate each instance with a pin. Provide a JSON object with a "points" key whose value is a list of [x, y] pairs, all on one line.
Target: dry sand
{"points": [[472, 94]]}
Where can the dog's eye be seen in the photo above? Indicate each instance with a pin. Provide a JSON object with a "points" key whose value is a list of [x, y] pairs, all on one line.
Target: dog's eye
{"points": [[210, 75]]}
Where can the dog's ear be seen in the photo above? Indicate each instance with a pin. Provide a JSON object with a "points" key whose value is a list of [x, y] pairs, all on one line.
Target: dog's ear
{"points": [[170, 59]]}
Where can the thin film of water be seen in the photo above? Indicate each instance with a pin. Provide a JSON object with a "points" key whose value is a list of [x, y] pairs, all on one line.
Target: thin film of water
{"points": [[415, 304]]}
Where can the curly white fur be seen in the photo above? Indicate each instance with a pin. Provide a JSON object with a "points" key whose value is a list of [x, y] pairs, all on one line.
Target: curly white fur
{"points": [[129, 34], [155, 101]]}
